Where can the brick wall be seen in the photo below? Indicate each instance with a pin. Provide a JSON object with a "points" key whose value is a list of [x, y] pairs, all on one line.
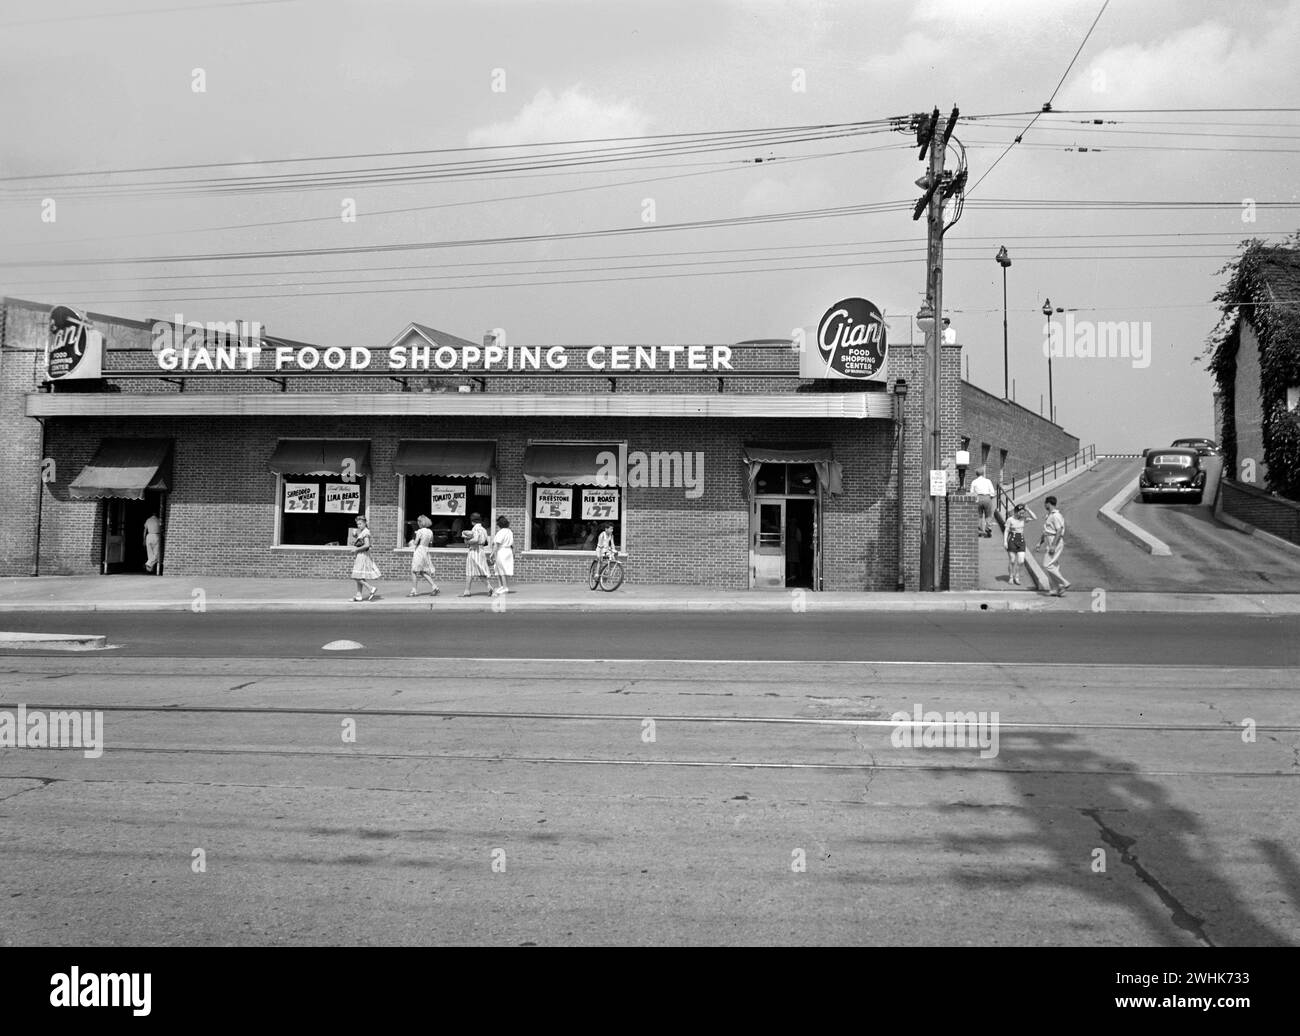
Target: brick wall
{"points": [[1247, 410], [20, 436], [1030, 440], [1273, 514]]}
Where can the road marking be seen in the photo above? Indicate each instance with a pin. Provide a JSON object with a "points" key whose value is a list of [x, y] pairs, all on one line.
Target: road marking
{"points": [[342, 645]]}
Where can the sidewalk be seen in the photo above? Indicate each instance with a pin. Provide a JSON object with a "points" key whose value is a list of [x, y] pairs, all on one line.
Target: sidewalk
{"points": [[127, 593]]}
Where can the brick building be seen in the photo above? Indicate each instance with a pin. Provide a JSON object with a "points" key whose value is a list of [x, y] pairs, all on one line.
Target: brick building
{"points": [[1008, 439], [739, 475]]}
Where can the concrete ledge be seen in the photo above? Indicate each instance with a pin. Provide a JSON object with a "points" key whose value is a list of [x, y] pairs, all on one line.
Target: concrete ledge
{"points": [[1109, 514], [51, 642]]}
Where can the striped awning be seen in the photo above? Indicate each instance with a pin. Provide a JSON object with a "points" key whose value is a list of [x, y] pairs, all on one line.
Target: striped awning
{"points": [[124, 468], [446, 457], [320, 457]]}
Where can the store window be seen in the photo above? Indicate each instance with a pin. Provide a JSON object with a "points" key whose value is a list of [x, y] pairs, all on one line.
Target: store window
{"points": [[786, 480], [448, 480], [323, 485], [574, 491]]}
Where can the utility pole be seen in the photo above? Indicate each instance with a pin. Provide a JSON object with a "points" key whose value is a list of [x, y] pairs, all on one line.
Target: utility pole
{"points": [[936, 191]]}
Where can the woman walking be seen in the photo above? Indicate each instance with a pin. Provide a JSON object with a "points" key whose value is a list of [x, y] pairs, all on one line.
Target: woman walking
{"points": [[476, 558], [422, 560], [1013, 540], [364, 567], [504, 553]]}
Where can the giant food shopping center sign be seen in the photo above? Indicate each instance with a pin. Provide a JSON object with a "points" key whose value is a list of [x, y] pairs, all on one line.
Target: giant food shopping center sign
{"points": [[851, 343], [238, 345]]}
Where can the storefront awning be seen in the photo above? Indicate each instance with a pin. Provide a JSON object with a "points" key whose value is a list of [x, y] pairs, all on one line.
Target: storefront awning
{"points": [[124, 468], [320, 456], [830, 473], [572, 464], [461, 459]]}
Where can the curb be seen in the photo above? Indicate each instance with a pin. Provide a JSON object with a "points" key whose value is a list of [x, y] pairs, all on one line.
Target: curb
{"points": [[994, 603], [1109, 514], [52, 642]]}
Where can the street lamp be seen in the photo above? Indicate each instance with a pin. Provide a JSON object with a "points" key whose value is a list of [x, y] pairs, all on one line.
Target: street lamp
{"points": [[1004, 261], [1051, 407]]}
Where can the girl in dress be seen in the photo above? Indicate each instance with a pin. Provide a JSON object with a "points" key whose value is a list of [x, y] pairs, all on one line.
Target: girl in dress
{"points": [[422, 560], [504, 559], [364, 567], [1013, 541], [476, 558]]}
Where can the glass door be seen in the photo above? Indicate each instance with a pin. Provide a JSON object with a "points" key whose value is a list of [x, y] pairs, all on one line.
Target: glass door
{"points": [[767, 544], [114, 534]]}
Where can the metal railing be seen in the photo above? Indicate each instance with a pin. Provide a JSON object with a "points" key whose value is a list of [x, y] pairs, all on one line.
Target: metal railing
{"points": [[1024, 484]]}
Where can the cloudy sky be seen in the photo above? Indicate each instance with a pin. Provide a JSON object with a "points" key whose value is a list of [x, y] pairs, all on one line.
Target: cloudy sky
{"points": [[295, 88]]}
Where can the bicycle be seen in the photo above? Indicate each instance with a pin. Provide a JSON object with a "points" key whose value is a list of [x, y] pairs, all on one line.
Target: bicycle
{"points": [[606, 573]]}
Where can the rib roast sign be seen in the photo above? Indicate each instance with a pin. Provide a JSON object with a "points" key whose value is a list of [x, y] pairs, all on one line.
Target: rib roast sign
{"points": [[851, 343]]}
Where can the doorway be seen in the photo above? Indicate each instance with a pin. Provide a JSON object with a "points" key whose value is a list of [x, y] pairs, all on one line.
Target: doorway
{"points": [[785, 529], [124, 547]]}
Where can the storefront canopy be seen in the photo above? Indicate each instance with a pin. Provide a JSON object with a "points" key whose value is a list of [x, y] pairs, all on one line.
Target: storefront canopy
{"points": [[458, 459], [829, 471], [320, 456], [572, 464], [124, 468]]}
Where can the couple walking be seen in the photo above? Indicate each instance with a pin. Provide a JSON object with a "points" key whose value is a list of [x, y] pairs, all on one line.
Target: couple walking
{"points": [[1051, 542]]}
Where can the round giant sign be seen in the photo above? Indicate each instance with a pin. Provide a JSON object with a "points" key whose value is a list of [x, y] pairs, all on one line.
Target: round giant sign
{"points": [[67, 340], [851, 339]]}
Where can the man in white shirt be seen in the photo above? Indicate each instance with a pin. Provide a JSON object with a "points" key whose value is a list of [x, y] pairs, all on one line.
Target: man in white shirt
{"points": [[1053, 542], [152, 541], [983, 490]]}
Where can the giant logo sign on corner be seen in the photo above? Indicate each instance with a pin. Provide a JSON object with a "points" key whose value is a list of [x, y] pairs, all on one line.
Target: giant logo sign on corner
{"points": [[851, 343], [74, 349]]}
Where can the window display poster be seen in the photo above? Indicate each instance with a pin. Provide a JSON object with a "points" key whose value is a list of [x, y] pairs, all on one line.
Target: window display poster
{"points": [[447, 500], [301, 497], [600, 503], [554, 502], [342, 497]]}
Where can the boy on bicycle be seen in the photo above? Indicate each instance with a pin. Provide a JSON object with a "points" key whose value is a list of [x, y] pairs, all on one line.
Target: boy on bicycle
{"points": [[606, 549]]}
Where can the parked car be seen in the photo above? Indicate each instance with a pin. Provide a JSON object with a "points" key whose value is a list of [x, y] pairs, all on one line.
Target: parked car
{"points": [[1175, 471], [1204, 447]]}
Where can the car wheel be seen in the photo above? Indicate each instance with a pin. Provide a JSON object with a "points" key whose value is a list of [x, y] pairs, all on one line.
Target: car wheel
{"points": [[1198, 497], [1146, 498]]}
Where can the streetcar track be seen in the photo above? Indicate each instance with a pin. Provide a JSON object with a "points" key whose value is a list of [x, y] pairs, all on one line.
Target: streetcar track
{"points": [[640, 717], [200, 750]]}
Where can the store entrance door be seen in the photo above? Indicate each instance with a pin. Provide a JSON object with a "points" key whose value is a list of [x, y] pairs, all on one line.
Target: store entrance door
{"points": [[124, 547], [784, 547]]}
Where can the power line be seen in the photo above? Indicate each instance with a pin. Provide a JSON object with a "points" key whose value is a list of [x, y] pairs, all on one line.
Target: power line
{"points": [[1046, 107]]}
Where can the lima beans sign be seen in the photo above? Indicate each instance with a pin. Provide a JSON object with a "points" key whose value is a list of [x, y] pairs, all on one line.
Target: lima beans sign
{"points": [[851, 343]]}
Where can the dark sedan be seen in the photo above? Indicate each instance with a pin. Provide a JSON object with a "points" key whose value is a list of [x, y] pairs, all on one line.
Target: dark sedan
{"points": [[1205, 447], [1175, 471]]}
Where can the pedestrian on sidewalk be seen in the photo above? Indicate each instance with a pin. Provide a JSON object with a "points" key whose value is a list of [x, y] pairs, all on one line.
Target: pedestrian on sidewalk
{"points": [[1013, 540], [421, 559], [152, 541], [1053, 543], [476, 558], [982, 487], [364, 566], [503, 553]]}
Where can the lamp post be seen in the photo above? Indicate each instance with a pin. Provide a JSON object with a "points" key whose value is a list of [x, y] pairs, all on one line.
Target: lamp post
{"points": [[900, 401], [1004, 261], [1051, 407]]}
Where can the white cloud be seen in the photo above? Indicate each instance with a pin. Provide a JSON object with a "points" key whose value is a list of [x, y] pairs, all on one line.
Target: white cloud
{"points": [[573, 115]]}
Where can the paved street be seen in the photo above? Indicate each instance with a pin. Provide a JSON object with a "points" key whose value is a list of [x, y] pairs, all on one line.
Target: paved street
{"points": [[1208, 556], [764, 804]]}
